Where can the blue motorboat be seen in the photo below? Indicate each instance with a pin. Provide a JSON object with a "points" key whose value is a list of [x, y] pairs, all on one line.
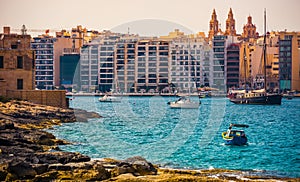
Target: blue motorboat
{"points": [[235, 137]]}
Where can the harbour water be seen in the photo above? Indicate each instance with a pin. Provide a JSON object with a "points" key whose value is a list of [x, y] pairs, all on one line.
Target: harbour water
{"points": [[189, 138]]}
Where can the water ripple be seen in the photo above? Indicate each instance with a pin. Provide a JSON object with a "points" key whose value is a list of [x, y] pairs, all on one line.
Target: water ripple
{"points": [[191, 139]]}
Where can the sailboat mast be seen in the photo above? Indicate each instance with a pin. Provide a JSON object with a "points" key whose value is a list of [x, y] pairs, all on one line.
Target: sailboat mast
{"points": [[245, 64], [265, 53], [189, 66]]}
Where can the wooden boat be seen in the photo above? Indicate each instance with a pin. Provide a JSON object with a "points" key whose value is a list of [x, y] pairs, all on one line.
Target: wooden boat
{"points": [[235, 137], [260, 96]]}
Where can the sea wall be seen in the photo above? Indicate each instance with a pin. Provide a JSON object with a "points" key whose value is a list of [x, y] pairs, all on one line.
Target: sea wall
{"points": [[56, 98]]}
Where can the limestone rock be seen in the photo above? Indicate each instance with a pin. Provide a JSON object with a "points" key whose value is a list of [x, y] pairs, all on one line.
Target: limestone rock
{"points": [[21, 169], [137, 165]]}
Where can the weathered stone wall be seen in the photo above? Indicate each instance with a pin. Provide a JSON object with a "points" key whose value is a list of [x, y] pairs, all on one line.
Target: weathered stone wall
{"points": [[2, 87], [55, 98]]}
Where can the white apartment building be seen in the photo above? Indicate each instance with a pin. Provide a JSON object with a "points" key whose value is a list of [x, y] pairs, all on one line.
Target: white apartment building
{"points": [[130, 64], [190, 64]]}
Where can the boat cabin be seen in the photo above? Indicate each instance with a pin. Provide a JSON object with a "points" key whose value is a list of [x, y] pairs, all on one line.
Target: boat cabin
{"points": [[237, 133]]}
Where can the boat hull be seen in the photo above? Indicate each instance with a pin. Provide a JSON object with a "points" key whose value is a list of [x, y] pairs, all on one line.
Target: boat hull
{"points": [[110, 99], [262, 100], [234, 140], [175, 105]]}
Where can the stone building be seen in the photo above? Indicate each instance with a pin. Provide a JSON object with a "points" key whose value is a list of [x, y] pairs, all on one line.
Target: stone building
{"points": [[17, 71], [16, 62]]}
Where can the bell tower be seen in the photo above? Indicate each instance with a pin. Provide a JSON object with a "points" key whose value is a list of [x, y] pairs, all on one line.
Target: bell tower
{"points": [[230, 24], [213, 25], [249, 30]]}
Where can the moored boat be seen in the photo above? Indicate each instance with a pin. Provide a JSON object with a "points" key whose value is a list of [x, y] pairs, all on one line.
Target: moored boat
{"points": [[288, 95], [260, 96], [256, 97], [110, 98], [235, 137], [184, 102]]}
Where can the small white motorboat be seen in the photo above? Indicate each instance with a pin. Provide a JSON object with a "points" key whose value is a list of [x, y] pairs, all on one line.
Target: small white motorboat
{"points": [[110, 98], [184, 103]]}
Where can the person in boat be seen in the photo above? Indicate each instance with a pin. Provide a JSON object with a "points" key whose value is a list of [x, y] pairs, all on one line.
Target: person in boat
{"points": [[185, 99]]}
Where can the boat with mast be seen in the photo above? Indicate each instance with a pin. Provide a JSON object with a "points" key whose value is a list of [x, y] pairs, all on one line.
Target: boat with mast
{"points": [[259, 96], [111, 96], [185, 102]]}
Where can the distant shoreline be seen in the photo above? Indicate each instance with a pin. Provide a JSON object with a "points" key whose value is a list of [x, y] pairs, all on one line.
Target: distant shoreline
{"points": [[141, 94]]}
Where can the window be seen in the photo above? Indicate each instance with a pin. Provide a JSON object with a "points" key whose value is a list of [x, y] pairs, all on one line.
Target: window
{"points": [[20, 84], [19, 62], [14, 46], [1, 62]]}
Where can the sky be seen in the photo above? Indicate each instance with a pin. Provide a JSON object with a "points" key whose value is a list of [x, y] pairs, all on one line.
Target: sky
{"points": [[147, 17]]}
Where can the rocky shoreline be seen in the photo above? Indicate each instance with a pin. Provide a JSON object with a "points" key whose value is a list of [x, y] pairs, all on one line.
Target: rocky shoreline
{"points": [[29, 153]]}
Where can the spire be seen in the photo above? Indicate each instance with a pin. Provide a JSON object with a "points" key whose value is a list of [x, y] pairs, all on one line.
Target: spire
{"points": [[230, 14], [214, 15], [213, 25], [249, 20], [230, 24]]}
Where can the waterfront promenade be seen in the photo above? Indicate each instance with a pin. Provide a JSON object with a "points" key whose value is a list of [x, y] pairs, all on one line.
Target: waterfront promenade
{"points": [[143, 94]]}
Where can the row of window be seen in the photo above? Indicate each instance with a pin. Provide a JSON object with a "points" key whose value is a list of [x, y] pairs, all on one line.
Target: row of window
{"points": [[40, 78], [44, 57], [19, 62]]}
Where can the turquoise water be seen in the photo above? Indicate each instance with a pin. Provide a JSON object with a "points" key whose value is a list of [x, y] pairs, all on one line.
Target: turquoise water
{"points": [[189, 138]]}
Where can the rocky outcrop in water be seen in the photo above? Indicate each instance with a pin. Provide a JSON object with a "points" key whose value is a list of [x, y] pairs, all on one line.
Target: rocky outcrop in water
{"points": [[29, 153]]}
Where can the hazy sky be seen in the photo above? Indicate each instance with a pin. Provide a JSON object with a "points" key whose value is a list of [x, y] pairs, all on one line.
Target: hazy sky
{"points": [[192, 15]]}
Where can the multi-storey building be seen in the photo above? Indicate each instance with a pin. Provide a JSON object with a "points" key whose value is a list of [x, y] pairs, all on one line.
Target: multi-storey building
{"points": [[69, 69], [152, 66], [129, 63], [97, 63], [207, 65], [245, 64], [289, 61], [219, 64], [190, 64], [48, 50], [189, 52], [272, 63], [232, 66], [16, 62], [43, 47], [89, 68], [124, 64]]}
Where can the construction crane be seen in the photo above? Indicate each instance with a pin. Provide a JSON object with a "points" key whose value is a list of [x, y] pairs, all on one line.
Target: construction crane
{"points": [[79, 30], [24, 30]]}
